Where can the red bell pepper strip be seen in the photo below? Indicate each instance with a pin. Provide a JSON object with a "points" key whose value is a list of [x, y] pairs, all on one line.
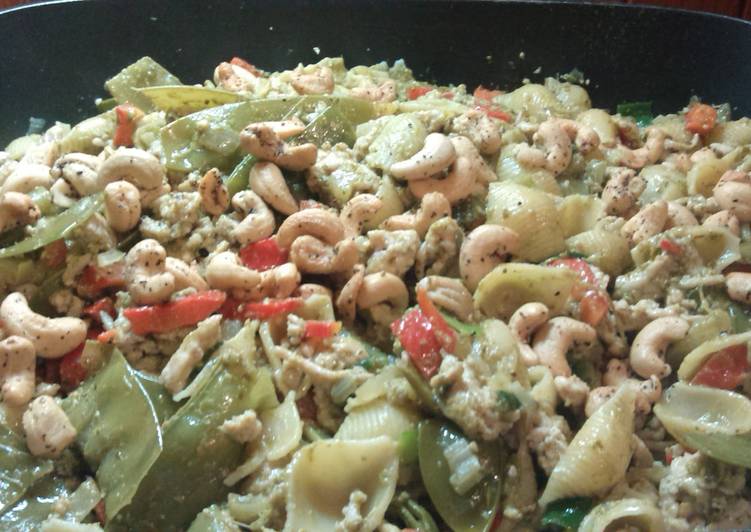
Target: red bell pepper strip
{"points": [[307, 407], [420, 90], [494, 112], [54, 254], [242, 63], [483, 95], [263, 255], [106, 337], [101, 305], [166, 317], [272, 307], [72, 372], [232, 309], [593, 307], [321, 329], [593, 302], [93, 280], [127, 116], [701, 118], [670, 247], [725, 369], [580, 266], [416, 334], [442, 330]]}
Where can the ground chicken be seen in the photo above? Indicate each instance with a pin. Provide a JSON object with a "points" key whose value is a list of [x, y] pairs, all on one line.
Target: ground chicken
{"points": [[548, 439], [439, 252], [392, 251]]}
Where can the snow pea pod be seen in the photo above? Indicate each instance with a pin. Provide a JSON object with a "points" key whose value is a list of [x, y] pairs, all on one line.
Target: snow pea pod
{"points": [[214, 519], [53, 228], [28, 514], [19, 470], [143, 73], [475, 510], [181, 100]]}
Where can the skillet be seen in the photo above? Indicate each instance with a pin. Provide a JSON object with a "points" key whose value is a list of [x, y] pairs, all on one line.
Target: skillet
{"points": [[55, 56]]}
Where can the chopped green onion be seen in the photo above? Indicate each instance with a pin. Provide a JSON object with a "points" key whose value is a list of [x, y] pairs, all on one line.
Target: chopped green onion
{"points": [[508, 401], [639, 111], [567, 513]]}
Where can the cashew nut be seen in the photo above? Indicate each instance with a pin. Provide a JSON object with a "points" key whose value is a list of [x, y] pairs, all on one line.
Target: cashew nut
{"points": [[464, 177], [122, 205], [433, 206], [385, 92], [523, 323], [622, 191], [185, 276], [739, 286], [262, 141], [277, 282], [17, 210], [234, 78], [80, 171], [321, 81], [226, 272], [267, 181], [572, 390], [378, 288], [17, 367], [313, 289], [616, 372], [285, 128], [25, 177], [555, 135], [553, 340], [346, 301], [320, 223], [480, 129], [485, 247], [437, 154], [679, 216], [648, 348], [450, 294], [52, 337], [733, 193], [214, 195], [312, 255], [725, 219], [135, 166], [258, 222], [48, 429], [63, 194], [650, 153], [647, 222], [357, 211], [148, 280]]}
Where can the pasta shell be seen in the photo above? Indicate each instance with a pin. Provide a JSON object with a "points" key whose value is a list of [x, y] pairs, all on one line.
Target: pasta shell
{"points": [[693, 362], [377, 418], [282, 428], [624, 514], [323, 474], [599, 454]]}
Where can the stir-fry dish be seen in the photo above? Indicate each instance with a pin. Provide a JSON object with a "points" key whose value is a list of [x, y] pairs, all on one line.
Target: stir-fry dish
{"points": [[331, 299]]}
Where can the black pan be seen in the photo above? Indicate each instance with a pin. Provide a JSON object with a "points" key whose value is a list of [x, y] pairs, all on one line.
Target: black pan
{"points": [[55, 57]]}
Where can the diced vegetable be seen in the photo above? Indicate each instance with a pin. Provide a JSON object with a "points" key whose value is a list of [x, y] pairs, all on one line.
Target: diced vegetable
{"points": [[701, 118], [19, 470], [461, 327], [127, 116], [272, 307], [567, 513], [508, 401], [28, 514], [694, 361], [263, 255], [118, 430], [54, 254], [181, 100], [445, 335], [214, 519], [483, 95], [412, 514], [72, 373], [240, 176], [143, 73], [94, 280], [474, 510], [94, 310], [725, 369], [639, 111], [408, 446], [419, 90], [56, 227], [417, 336], [320, 329], [166, 317]]}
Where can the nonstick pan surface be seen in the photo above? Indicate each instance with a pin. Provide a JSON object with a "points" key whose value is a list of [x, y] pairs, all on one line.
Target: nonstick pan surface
{"points": [[55, 57]]}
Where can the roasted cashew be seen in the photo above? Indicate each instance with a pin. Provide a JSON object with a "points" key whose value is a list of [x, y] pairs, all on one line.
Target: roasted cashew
{"points": [[480, 129], [438, 253], [648, 348], [319, 82], [226, 272], [185, 276], [725, 219], [17, 210], [391, 251], [320, 223], [261, 141], [267, 181], [483, 249], [80, 171], [47, 427], [135, 166], [63, 194], [572, 390], [214, 195], [733, 193], [385, 92], [122, 205], [523, 323], [313, 289], [346, 301], [464, 177], [234, 78], [17, 367], [148, 280], [679, 216], [622, 191], [437, 154], [357, 211], [647, 222], [277, 282], [450, 294], [51, 337], [258, 220], [312, 255], [378, 288], [739, 286], [650, 153], [616, 372], [25, 177], [553, 340], [555, 135], [433, 206], [648, 392], [285, 128]]}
